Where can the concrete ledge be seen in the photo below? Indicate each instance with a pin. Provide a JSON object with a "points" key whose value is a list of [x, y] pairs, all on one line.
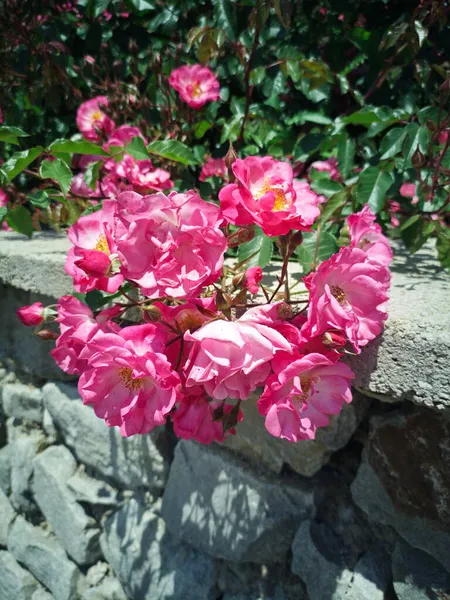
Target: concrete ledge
{"points": [[408, 362]]}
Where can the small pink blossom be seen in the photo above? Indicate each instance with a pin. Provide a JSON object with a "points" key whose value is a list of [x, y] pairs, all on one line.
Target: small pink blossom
{"points": [[301, 394], [32, 315], [265, 193], [92, 121], [253, 277], [231, 358], [123, 136], [79, 187], [94, 263], [214, 167], [348, 293], [443, 137], [93, 232], [170, 245], [4, 198], [408, 190], [128, 380], [330, 165], [130, 174], [195, 84], [366, 234]]}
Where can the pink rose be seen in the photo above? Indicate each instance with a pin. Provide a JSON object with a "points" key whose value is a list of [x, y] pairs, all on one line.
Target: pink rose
{"points": [[367, 235], [330, 165], [123, 136], [195, 84], [253, 277], [128, 379], [408, 190], [348, 293], [138, 175], [301, 394], [4, 198], [265, 194], [231, 358], [214, 167], [92, 121], [93, 232], [79, 187], [32, 315], [170, 245]]}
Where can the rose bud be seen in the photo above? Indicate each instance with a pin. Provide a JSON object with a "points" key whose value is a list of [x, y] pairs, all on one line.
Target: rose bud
{"points": [[253, 278], [46, 334], [94, 263], [32, 315]]}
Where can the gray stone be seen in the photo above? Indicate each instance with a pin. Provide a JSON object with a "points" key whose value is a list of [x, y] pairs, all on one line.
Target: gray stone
{"points": [[49, 427], [403, 479], [371, 576], [7, 516], [90, 490], [22, 451], [5, 470], [41, 594], [306, 458], [223, 508], [74, 530], [46, 560], [15, 582], [410, 359], [149, 563], [417, 576], [102, 584], [135, 462], [22, 401]]}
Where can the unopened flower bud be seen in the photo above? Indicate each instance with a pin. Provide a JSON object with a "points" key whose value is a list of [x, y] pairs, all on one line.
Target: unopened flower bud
{"points": [[230, 157], [295, 241], [418, 159], [284, 311], [245, 234], [46, 334], [239, 280], [94, 263], [32, 315], [151, 312]]}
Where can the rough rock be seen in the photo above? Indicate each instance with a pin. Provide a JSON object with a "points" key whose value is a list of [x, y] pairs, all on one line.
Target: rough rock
{"points": [[41, 594], [46, 560], [5, 470], [224, 509], [74, 530], [22, 401], [417, 576], [49, 427], [102, 584], [410, 359], [90, 490], [403, 478], [306, 458], [7, 516], [149, 563], [135, 462], [321, 561], [22, 451], [15, 582]]}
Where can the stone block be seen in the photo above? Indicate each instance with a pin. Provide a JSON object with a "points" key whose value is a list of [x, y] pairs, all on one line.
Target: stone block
{"points": [[5, 470], [22, 452], [15, 582], [75, 531], [149, 562], [22, 401], [7, 516], [90, 490], [135, 462], [219, 506]]}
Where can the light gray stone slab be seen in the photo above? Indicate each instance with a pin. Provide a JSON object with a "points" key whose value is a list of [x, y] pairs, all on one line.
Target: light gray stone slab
{"points": [[15, 582], [22, 451], [150, 563], [90, 490], [219, 506], [135, 462], [7, 516], [5, 470], [76, 532], [22, 401], [46, 560]]}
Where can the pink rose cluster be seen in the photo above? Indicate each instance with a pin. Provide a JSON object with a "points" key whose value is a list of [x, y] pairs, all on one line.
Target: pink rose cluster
{"points": [[198, 350]]}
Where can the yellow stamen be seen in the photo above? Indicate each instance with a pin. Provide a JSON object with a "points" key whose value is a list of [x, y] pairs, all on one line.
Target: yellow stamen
{"points": [[338, 293], [102, 245], [126, 375], [97, 115], [281, 202], [188, 321], [196, 90]]}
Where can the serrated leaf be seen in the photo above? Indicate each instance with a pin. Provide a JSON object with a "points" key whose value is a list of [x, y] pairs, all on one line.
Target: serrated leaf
{"points": [[92, 174], [225, 13], [417, 234], [443, 247], [141, 5], [19, 218], [173, 150], [392, 142], [372, 187], [10, 134], [260, 248], [3, 212], [326, 187], [332, 205], [137, 149], [20, 161], [346, 155], [201, 128], [58, 171], [283, 10], [96, 7], [410, 143], [309, 144], [369, 115], [314, 249], [40, 199], [76, 147]]}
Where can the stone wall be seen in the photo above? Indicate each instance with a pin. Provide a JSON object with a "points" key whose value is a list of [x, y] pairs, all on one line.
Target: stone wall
{"points": [[361, 513]]}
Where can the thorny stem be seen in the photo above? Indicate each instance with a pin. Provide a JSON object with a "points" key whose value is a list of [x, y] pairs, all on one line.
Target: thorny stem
{"points": [[283, 275]]}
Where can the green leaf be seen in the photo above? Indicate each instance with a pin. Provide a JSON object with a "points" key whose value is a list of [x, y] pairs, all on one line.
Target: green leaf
{"points": [[173, 150], [3, 212], [10, 134], [20, 161], [283, 10], [260, 248], [411, 142], [137, 149], [58, 171], [332, 205], [201, 128], [309, 144], [225, 12], [372, 187], [392, 142], [92, 174], [141, 5], [417, 234], [314, 249], [443, 247], [96, 7], [369, 115], [346, 155], [19, 219], [40, 199], [76, 147], [410, 221], [326, 187]]}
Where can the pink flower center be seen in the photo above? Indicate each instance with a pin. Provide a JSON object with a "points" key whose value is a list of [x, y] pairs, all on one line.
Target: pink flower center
{"points": [[338, 293], [196, 90], [281, 202], [189, 321], [306, 383], [126, 375], [102, 245], [97, 116]]}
